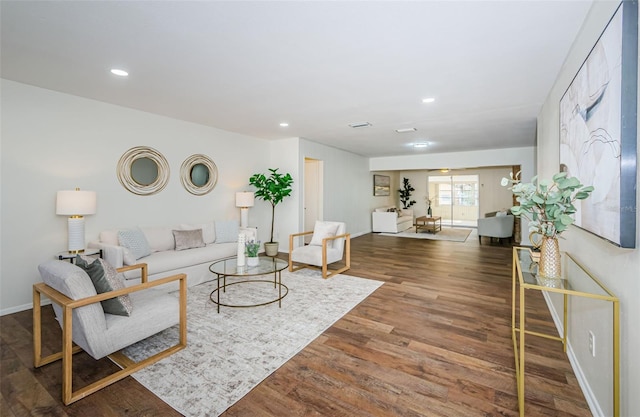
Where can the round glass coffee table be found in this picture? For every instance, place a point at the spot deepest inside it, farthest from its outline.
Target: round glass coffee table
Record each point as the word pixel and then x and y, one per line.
pixel 229 268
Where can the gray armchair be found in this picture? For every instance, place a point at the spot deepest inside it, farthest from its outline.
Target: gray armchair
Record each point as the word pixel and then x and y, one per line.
pixel 80 313
pixel 496 227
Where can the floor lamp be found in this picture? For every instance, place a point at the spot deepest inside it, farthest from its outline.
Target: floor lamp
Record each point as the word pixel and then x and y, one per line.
pixel 244 200
pixel 76 204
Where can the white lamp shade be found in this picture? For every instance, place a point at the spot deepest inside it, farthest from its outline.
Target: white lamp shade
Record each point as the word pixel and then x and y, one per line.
pixel 244 199
pixel 76 202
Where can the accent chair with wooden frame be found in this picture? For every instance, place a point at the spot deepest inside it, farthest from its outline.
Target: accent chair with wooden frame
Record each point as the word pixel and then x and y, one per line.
pixel 332 249
pixel 80 314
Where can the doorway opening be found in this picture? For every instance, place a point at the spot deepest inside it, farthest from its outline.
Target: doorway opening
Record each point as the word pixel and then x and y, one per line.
pixel 455 198
pixel 313 194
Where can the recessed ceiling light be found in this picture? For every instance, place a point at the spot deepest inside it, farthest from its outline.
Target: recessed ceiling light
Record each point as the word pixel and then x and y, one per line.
pixel 428 100
pixel 119 72
pixel 406 130
pixel 420 144
pixel 359 125
pixel 284 124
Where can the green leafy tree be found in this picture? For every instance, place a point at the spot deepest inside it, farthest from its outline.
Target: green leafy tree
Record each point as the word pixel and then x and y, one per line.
pixel 405 194
pixel 273 189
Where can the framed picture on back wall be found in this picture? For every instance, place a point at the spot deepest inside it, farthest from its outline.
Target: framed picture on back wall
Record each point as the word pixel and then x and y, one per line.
pixel 381 185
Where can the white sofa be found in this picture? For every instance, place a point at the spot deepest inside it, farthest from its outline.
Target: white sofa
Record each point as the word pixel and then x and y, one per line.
pixel 164 260
pixel 385 221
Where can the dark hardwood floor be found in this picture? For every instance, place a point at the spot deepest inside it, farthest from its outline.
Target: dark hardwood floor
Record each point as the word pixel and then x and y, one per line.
pixel 434 340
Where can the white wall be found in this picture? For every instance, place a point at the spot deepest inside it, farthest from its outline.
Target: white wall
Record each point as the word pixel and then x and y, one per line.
pixel 53 141
pixel 616 268
pixel 284 156
pixel 347 186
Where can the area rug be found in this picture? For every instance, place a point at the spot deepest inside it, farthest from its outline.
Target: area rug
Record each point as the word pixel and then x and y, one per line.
pixel 229 353
pixel 453 234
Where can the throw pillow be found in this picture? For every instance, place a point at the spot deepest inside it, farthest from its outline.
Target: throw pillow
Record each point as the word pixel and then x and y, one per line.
pixel 321 231
pixel 227 231
pixel 159 239
pixel 109 237
pixel 187 239
pixel 135 241
pixel 105 278
pixel 208 231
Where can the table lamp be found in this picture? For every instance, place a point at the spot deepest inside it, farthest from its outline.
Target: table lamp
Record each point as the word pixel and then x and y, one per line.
pixel 75 204
pixel 244 200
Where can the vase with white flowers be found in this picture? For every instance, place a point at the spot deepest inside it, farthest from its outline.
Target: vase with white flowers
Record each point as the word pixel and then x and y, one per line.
pixel 549 206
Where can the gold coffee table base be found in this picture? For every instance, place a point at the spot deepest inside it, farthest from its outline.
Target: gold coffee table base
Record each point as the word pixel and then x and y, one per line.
pixel 229 268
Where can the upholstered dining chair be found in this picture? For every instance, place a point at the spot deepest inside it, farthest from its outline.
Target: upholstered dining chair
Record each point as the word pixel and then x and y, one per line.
pixel 499 226
pixel 85 325
pixel 329 244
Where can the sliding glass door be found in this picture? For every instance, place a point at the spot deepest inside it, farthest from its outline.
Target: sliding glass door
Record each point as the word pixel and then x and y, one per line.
pixel 454 198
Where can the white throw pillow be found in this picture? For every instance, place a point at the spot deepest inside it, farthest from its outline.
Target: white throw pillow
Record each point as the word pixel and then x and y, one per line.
pixel 321 231
pixel 135 241
pixel 159 238
pixel 227 231
pixel 110 237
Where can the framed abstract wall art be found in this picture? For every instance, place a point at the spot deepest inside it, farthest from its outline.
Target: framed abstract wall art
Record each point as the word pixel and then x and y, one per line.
pixel 598 130
pixel 381 185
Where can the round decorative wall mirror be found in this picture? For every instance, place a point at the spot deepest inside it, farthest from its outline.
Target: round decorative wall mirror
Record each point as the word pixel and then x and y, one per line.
pixel 198 174
pixel 143 170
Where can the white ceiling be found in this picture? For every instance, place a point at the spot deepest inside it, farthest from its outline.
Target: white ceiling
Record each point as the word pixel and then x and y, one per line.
pixel 248 66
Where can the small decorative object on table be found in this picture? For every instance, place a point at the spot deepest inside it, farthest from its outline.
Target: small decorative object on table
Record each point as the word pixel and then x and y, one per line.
pixel 252 248
pixel 429 212
pixel 240 257
pixel 548 207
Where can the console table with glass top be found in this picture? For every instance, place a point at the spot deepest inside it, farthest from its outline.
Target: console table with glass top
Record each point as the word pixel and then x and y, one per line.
pixel 524 278
pixel 229 268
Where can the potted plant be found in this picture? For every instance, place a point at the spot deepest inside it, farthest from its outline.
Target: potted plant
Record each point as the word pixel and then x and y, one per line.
pixel 273 189
pixel 251 249
pixel 405 194
pixel 548 205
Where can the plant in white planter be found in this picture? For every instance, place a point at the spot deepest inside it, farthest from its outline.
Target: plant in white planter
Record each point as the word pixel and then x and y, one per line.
pixel 273 189
pixel 251 249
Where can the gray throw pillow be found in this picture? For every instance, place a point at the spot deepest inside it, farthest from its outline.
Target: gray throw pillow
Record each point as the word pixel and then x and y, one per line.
pixel 187 239
pixel 105 278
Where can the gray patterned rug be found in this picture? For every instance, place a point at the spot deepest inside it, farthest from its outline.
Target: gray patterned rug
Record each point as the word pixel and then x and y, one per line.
pixel 453 234
pixel 229 353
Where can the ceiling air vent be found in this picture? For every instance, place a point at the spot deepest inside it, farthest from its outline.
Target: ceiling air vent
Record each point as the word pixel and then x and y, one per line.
pixel 406 130
pixel 359 125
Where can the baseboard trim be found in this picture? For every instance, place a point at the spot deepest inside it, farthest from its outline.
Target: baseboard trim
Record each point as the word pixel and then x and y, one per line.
pixel 592 401
pixel 22 307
